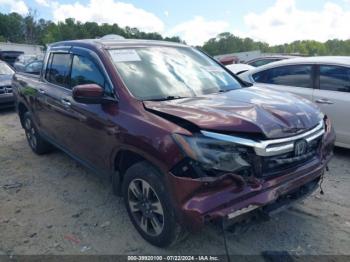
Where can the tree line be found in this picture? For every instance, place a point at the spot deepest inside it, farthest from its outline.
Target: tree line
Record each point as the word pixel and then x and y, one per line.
pixel 226 43
pixel 27 29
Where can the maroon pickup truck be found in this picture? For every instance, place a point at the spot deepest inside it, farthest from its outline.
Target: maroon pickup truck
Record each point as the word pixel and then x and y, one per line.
pixel 184 141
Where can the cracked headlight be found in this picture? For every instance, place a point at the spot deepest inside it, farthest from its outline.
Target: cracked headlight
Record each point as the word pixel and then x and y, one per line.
pixel 214 154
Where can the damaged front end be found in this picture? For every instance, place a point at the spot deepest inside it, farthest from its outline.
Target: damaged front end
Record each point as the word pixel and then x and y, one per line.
pixel 212 157
pixel 230 177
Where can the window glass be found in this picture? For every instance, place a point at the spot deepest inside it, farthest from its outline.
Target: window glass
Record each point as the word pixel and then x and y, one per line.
pixel 34 67
pixel 59 70
pixel 153 73
pixel 335 78
pixel 295 75
pixel 5 69
pixel 84 71
pixel 260 77
pixel 263 62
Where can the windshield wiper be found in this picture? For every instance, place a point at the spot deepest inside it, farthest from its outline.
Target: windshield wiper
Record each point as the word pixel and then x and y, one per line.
pixel 224 90
pixel 167 98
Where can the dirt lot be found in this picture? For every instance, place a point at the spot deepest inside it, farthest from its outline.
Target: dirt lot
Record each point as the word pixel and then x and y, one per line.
pixel 53 205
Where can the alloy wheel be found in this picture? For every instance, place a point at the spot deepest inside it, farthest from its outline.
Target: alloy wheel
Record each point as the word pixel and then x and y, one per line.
pixel 30 132
pixel 145 207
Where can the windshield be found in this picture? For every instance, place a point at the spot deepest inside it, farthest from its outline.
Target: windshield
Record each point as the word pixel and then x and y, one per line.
pixel 5 69
pixel 152 73
pixel 26 59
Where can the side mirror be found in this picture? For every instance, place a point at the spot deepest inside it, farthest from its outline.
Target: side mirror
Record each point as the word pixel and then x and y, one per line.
pixel 88 94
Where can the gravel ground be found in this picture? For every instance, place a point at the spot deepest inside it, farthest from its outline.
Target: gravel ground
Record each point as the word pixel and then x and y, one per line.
pixel 52 205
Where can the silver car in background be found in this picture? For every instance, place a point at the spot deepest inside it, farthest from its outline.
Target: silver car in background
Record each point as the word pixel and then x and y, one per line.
pixel 6 95
pixel 23 60
pixel 323 80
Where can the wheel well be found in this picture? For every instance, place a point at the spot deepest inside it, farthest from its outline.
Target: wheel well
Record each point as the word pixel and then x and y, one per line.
pixel 22 109
pixel 126 159
pixel 123 161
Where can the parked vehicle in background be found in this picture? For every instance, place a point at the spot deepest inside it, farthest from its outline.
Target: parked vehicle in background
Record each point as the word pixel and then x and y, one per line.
pixel 10 56
pixel 34 67
pixel 184 141
pixel 260 61
pixel 239 68
pixel 228 60
pixel 6 96
pixel 23 60
pixel 323 80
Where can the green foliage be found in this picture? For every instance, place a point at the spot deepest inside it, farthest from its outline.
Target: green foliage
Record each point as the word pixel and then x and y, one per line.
pixel 11 27
pixel 306 47
pixel 27 29
pixel 19 29
pixel 226 43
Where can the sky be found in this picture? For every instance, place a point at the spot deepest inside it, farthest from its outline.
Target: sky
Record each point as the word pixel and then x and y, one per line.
pixel 195 21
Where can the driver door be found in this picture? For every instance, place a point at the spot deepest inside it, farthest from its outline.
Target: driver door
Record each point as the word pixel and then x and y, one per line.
pixel 94 133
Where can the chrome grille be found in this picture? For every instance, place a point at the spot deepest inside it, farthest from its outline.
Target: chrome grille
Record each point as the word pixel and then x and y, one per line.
pixel 5 89
pixel 271 147
pixel 272 157
pixel 272 165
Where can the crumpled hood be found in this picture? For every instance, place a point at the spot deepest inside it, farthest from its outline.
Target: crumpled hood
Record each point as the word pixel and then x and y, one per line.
pixel 246 110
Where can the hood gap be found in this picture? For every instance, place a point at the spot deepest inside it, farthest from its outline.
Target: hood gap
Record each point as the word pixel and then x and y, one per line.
pixel 176 120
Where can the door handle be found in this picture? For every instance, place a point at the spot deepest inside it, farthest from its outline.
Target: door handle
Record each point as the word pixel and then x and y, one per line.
pixel 324 101
pixel 41 91
pixel 65 102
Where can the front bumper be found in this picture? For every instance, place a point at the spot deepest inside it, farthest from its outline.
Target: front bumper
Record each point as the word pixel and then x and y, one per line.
pixel 204 200
pixel 7 100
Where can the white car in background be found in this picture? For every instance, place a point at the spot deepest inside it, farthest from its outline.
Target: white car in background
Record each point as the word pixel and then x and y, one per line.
pixel 239 68
pixel 323 80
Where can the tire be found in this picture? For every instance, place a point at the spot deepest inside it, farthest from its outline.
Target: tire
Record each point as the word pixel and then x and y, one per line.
pixel 116 184
pixel 153 216
pixel 35 141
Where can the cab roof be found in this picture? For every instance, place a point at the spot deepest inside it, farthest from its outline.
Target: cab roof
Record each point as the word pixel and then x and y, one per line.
pixel 116 43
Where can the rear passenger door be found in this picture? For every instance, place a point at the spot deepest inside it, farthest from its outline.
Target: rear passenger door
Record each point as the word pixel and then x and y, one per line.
pixel 333 97
pixel 297 79
pixel 53 109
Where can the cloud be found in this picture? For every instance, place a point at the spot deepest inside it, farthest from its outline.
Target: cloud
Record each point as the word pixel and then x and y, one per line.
pixel 45 3
pixel 109 11
pixel 166 13
pixel 15 6
pixel 198 30
pixel 284 22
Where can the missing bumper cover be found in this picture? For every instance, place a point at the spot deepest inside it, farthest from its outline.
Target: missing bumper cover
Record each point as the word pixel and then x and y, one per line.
pixel 242 211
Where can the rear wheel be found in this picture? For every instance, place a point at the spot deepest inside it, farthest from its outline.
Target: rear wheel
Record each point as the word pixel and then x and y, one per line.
pixel 35 141
pixel 149 206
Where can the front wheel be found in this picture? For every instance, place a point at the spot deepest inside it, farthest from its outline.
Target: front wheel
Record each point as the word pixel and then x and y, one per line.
pixel 149 206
